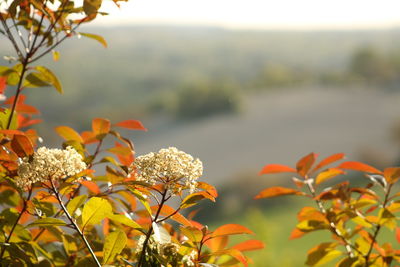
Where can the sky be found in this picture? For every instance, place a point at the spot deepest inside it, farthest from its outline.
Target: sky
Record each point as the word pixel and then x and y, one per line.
pixel 257 14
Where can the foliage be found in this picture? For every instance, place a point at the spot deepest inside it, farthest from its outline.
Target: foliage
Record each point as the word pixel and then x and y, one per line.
pixel 354 216
pixel 201 100
pixel 57 209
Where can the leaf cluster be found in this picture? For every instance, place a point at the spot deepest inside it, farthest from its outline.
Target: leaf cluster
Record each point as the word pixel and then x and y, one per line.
pixel 354 215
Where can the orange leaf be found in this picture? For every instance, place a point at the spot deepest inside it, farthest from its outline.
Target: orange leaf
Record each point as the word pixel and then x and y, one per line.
pixel 296 233
pixel 304 164
pixel 28 109
pixel 3 84
pixel 131 124
pixel 209 188
pixel 128 159
pixel 398 234
pixel 391 174
pixel 276 168
pixel 89 137
pixel 26 121
pixel 249 245
pixel 358 166
pixel 12 132
pixel 328 174
pixel 329 160
pixel 277 191
pixel 22 146
pixel 93 187
pixel 231 229
pixel 238 255
pixel 68 133
pixel 167 211
pixel 217 243
pixel 101 126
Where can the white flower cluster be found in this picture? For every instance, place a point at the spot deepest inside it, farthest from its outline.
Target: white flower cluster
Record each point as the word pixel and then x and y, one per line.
pixel 188 260
pixel 46 164
pixel 165 249
pixel 171 167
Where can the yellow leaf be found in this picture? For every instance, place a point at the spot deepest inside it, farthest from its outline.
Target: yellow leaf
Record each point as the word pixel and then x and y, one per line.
pixel 114 244
pixel 95 210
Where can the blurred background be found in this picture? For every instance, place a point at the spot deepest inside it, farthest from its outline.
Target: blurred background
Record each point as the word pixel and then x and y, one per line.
pixel 240 84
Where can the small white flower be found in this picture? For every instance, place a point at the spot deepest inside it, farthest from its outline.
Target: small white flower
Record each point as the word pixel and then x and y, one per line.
pixel 46 164
pixel 176 169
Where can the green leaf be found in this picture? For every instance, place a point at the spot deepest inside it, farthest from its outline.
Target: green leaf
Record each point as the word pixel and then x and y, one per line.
pixel 35 79
pixel 98 38
pixel 45 76
pixel 192 233
pixel 91 7
pixel 95 210
pixel 75 203
pixel 47 222
pixel 114 244
pixel 4 115
pixel 142 198
pixel 70 244
pixel 124 220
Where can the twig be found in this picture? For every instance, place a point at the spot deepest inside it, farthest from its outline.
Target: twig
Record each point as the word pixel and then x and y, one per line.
pixel 149 233
pixel 25 205
pixel 378 228
pixel 54 189
pixel 347 244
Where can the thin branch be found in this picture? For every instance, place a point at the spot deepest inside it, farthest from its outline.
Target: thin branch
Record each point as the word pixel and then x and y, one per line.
pixel 149 233
pixel 348 246
pixel 20 35
pixel 18 91
pixel 25 206
pixel 378 228
pixel 56 44
pixel 10 36
pixel 54 189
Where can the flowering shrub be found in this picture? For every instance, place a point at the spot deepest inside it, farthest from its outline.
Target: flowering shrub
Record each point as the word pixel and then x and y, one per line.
pixel 55 209
pixel 355 216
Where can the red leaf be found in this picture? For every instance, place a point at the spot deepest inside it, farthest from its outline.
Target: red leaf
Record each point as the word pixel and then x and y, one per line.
pixel 231 229
pixel 358 166
pixel 131 124
pixel 276 168
pixel 249 245
pixel 12 132
pixel 304 164
pixel 101 126
pixel 22 146
pixel 398 234
pixel 3 84
pixel 26 121
pixel 93 187
pixel 329 160
pixel 27 109
pixel 277 191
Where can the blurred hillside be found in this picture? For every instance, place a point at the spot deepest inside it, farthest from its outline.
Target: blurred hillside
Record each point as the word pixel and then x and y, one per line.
pixel 149 70
pixel 237 100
